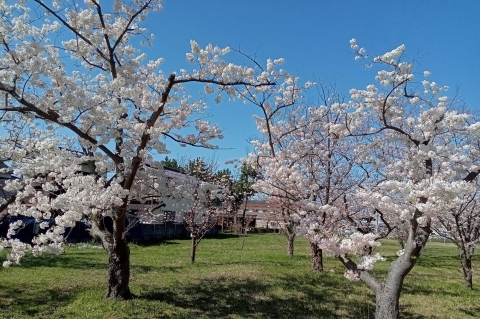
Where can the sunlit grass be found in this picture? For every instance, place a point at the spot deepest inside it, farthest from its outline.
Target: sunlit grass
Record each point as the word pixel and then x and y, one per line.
pixel 260 281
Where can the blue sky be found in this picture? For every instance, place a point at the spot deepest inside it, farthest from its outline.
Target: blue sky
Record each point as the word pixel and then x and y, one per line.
pixel 443 36
pixel 313 37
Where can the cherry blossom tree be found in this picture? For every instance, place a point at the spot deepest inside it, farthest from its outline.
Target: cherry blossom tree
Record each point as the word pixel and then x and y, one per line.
pixel 77 70
pixel 199 197
pixel 312 171
pixel 408 130
pixel 239 194
pixel 410 161
pixel 202 206
pixel 461 224
pixel 270 124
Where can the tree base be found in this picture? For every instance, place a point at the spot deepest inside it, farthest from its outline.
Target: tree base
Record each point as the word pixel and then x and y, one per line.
pixel 119 296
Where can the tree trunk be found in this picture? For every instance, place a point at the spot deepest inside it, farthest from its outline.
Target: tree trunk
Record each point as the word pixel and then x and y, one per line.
pixel 466 260
pixel 194 249
pixel 317 257
pixel 115 244
pixel 290 239
pixel 119 260
pixel 243 241
pixel 388 293
pixel 387 300
pixel 119 271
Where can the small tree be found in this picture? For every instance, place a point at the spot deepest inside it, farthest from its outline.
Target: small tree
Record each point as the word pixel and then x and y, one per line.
pixel 308 171
pixel 238 197
pixel 200 214
pixel 199 196
pixel 461 224
pixel 242 192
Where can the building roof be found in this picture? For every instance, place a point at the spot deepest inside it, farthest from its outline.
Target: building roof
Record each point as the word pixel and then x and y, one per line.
pixel 3 166
pixel 3 193
pixel 146 207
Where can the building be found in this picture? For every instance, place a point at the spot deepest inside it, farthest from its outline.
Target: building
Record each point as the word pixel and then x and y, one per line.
pixel 260 214
pixel 159 218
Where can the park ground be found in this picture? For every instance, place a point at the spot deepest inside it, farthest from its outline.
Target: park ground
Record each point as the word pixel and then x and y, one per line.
pixel 258 281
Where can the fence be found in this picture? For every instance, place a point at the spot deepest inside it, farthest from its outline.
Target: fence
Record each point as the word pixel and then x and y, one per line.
pixel 139 232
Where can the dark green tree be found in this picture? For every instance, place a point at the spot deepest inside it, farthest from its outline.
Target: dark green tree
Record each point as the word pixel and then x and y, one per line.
pixel 240 193
pixel 171 163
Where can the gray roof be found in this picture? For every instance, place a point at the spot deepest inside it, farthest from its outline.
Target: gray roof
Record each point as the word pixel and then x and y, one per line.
pixel 3 165
pixel 3 193
pixel 146 207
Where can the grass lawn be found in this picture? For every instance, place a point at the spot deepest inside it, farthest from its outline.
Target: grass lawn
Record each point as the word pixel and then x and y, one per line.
pixel 259 281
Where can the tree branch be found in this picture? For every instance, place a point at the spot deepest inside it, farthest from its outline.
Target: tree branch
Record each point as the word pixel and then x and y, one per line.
pixel 53 117
pixel 365 276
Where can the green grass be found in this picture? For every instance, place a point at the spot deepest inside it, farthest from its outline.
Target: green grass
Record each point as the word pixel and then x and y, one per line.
pixel 259 281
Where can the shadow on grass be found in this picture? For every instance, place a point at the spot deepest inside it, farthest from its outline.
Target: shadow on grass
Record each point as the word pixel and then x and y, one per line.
pixel 141 269
pixel 409 315
pixel 431 261
pixel 157 242
pixel 474 311
pixel 298 297
pixel 85 262
pixel 72 261
pixel 419 288
pixel 225 236
pixel 176 241
pixel 250 262
pixel 245 298
pixel 33 303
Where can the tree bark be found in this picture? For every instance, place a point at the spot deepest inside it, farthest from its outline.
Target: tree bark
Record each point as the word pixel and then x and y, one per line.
pixel 291 240
pixel 387 300
pixel 119 260
pixel 115 244
pixel 466 260
pixel 317 257
pixel 388 293
pixel 119 271
pixel 243 241
pixel 193 251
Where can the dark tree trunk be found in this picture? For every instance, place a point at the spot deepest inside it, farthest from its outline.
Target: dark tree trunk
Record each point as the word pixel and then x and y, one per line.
pixel 317 257
pixel 115 244
pixel 467 275
pixel 119 260
pixel 193 251
pixel 119 271
pixel 466 260
pixel 291 241
pixel 243 226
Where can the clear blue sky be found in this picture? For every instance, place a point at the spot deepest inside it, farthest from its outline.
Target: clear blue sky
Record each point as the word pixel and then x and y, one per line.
pixel 313 37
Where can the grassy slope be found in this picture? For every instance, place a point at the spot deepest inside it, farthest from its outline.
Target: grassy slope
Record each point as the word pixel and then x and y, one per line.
pixel 226 282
